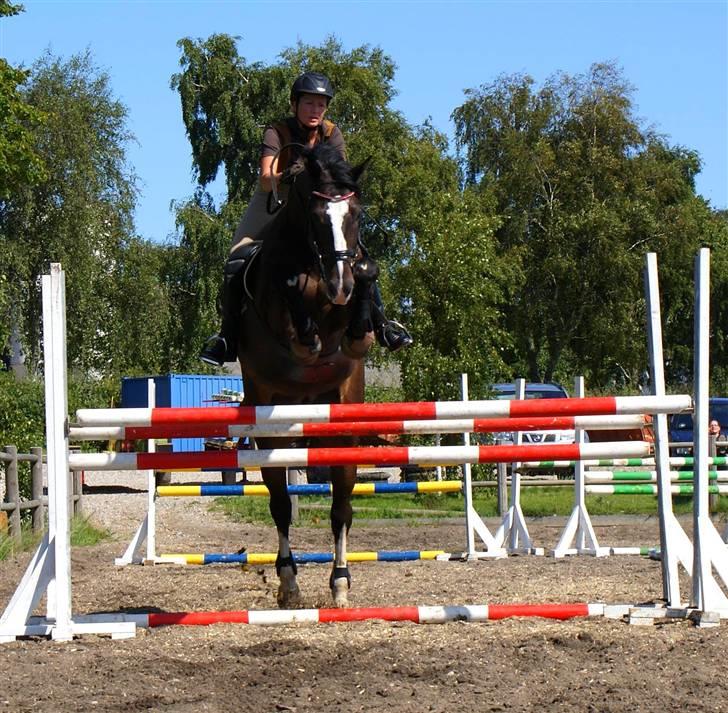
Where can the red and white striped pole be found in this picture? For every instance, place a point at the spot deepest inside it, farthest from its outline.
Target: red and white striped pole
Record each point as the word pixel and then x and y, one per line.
pixel 383 457
pixel 359 428
pixel 328 413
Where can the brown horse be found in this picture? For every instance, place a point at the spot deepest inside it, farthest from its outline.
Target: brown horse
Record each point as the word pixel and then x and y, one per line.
pixel 304 331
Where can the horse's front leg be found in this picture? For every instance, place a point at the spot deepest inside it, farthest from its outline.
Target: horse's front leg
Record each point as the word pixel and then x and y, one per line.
pixel 289 595
pixel 359 336
pixel 306 343
pixel 342 481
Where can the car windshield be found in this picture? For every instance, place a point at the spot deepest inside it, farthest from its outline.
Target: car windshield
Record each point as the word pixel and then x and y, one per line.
pixel 531 394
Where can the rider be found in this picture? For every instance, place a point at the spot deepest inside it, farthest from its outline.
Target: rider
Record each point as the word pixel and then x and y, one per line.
pixel 310 97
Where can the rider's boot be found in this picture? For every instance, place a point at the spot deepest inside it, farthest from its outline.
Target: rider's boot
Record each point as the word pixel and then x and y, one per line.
pixel 390 334
pixel 223 346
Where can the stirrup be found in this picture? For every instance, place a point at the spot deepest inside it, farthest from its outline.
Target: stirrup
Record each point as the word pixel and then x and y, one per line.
pixel 394 335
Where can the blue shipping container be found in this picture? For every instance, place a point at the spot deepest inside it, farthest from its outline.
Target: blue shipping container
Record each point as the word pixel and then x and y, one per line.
pixel 178 390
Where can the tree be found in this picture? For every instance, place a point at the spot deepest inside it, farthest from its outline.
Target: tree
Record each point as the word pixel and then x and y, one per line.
pixel 80 214
pixel 20 164
pixel 141 337
pixel 582 192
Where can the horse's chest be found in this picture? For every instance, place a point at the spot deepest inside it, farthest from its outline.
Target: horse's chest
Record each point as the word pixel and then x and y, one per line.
pixel 284 375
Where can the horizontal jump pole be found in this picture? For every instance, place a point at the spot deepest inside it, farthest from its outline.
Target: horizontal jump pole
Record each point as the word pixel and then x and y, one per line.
pixel 214 490
pixel 261 558
pixel 621 462
pixel 598 476
pixel 356 428
pixel 383 457
pixel 327 413
pixel 414 614
pixel 648 489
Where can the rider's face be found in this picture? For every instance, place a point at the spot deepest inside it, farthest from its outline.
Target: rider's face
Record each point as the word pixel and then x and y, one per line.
pixel 310 109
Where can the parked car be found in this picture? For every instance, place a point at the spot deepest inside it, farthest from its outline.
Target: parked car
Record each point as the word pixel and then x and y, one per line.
pixel 534 390
pixel 680 425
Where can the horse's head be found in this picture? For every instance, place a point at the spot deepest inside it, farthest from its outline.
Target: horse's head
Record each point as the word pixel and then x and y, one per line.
pixel 329 192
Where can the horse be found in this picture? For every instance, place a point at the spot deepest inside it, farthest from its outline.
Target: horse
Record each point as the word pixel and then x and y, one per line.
pixel 304 332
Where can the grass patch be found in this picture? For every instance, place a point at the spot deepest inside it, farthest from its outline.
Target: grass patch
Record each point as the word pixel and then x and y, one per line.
pixel 535 502
pixel 83 534
pixel 10 547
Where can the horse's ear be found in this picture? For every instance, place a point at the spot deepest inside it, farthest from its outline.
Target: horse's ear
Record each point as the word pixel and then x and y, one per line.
pixel 357 171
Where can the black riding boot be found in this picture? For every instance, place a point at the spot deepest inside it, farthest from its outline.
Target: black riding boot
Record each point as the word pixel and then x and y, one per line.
pixel 223 346
pixel 390 334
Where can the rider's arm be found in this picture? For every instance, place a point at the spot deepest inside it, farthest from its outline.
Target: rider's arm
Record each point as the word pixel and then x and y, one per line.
pixel 268 163
pixel 268 159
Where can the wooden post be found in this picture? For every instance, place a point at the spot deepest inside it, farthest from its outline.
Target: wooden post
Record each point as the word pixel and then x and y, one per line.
pixel 77 495
pixel 12 493
pixel 36 489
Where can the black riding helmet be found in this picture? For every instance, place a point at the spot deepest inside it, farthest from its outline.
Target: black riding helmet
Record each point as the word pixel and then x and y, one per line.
pixel 312 83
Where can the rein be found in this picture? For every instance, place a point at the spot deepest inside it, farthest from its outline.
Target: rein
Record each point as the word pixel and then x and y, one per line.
pixel 276 204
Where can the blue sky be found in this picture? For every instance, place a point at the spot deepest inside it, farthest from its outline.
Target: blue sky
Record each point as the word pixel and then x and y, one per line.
pixel 674 53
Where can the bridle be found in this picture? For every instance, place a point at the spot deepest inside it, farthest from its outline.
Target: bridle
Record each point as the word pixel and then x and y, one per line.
pixel 349 255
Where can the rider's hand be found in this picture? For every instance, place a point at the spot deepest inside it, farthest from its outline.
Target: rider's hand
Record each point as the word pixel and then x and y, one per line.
pixel 289 175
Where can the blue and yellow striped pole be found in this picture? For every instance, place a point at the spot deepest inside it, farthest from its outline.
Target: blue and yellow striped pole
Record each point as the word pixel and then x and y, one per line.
pixel 209 489
pixel 307 557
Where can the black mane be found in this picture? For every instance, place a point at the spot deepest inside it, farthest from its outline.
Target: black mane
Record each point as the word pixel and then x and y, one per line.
pixel 326 158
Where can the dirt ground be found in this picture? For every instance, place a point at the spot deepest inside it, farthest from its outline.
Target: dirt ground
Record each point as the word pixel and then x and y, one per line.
pixel 510 665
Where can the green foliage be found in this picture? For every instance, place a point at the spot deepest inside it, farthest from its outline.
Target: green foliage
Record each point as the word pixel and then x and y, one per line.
pixel 83 534
pixel 79 215
pixel 140 338
pixel 19 162
pixel 22 412
pixel 7 8
pixel 194 275
pixel 582 192
pixel 22 409
pixel 535 502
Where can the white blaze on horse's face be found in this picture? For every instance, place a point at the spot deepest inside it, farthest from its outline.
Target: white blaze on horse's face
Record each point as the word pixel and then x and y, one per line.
pixel 337 211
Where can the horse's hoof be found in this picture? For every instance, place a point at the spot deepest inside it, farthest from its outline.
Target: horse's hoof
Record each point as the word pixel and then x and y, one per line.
pixel 340 593
pixel 357 348
pixel 289 595
pixel 288 598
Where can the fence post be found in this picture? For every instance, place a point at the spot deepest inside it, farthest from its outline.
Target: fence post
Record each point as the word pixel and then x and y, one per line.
pixel 502 478
pixel 12 492
pixel 36 489
pixel 77 494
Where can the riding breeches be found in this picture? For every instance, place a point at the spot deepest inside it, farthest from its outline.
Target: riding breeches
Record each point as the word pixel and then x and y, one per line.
pixel 255 218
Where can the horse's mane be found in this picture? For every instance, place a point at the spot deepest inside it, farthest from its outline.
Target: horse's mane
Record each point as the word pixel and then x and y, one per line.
pixel 326 158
